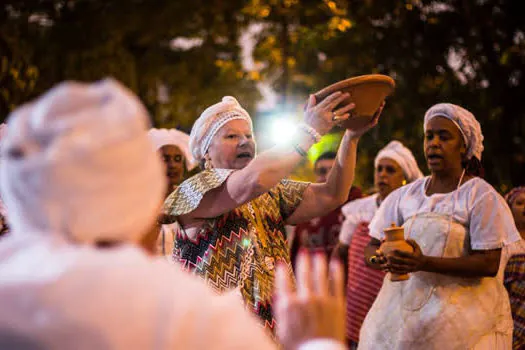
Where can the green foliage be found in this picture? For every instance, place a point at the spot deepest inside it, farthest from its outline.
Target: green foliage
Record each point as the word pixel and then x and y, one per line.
pixel 468 52
pixel 132 41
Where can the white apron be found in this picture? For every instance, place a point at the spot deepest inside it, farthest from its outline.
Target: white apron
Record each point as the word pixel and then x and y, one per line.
pixel 436 311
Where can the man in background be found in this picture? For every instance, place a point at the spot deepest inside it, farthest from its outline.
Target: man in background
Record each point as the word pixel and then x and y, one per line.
pixel 322 233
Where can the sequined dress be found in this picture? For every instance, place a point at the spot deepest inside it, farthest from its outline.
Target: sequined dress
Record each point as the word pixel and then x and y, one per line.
pixel 237 250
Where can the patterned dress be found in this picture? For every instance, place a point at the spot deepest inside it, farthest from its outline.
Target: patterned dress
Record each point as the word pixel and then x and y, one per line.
pixel 237 250
pixel 515 284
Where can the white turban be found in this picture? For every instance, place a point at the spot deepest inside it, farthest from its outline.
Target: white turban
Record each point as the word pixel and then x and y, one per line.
pixel 464 121
pixel 403 157
pixel 78 163
pixel 164 137
pixel 211 120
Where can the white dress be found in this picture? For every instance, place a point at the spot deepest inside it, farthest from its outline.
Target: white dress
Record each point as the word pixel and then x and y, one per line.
pixel 437 311
pixel 59 296
pixel 357 211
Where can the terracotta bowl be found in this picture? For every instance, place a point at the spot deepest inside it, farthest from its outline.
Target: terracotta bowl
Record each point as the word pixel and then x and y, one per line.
pixel 366 91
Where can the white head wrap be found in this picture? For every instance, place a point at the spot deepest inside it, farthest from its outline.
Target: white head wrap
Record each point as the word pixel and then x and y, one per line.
pixel 402 156
pixel 211 120
pixel 164 137
pixel 78 163
pixel 464 121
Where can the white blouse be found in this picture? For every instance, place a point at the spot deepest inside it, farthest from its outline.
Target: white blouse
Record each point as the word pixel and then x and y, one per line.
pixel 475 205
pixel 357 211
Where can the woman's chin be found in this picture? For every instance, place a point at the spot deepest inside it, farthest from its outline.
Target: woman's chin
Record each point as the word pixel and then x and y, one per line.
pixel 435 168
pixel 242 163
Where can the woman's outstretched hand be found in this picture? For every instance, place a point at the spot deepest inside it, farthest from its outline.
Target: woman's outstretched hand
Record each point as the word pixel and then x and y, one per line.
pixel 323 116
pixel 373 122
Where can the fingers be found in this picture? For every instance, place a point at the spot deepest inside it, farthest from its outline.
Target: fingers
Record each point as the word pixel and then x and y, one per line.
pixel 413 244
pixel 304 278
pixel 395 260
pixel 330 99
pixel 331 106
pixel 345 109
pixel 311 102
pixel 333 100
pixel 402 254
pixel 321 274
pixel 337 278
pixel 377 114
pixel 341 118
pixel 283 284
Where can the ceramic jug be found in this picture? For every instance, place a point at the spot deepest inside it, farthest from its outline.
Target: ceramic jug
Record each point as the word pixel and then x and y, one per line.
pixel 395 240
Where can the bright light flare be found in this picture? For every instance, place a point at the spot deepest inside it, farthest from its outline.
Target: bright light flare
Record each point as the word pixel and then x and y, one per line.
pixel 283 130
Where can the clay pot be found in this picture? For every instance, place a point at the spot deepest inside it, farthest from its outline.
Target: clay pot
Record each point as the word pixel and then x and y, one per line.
pixel 395 240
pixel 366 91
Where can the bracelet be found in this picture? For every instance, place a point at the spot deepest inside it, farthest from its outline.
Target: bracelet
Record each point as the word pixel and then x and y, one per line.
pixel 299 150
pixel 311 131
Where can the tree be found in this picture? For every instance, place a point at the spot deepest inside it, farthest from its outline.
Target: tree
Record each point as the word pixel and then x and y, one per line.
pixel 465 52
pixel 133 41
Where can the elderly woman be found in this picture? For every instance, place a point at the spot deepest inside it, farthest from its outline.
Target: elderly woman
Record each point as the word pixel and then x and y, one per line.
pixel 456 224
pixel 72 274
pixel 515 267
pixel 232 215
pixel 395 166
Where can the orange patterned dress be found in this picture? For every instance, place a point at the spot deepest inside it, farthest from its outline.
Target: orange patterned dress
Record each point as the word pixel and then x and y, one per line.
pixel 239 249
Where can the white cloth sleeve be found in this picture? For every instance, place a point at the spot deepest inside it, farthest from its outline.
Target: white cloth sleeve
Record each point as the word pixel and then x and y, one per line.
pixel 322 344
pixel 491 223
pixel 348 228
pixel 387 214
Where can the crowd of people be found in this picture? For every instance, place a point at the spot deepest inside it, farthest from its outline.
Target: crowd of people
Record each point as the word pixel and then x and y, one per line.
pixel 108 242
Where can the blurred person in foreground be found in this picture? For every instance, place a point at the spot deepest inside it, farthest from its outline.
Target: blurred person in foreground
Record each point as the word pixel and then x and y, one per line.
pixel 84 188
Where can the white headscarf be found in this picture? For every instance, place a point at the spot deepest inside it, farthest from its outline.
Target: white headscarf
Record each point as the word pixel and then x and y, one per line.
pixel 78 162
pixel 211 120
pixel 466 123
pixel 164 137
pixel 402 156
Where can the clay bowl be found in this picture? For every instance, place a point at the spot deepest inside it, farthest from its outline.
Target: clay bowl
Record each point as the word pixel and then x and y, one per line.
pixel 366 91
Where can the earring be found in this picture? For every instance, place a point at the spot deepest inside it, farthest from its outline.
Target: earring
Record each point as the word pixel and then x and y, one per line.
pixel 404 182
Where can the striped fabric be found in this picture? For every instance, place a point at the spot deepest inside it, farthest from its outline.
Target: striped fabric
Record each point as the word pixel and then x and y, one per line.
pixel 363 283
pixel 515 284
